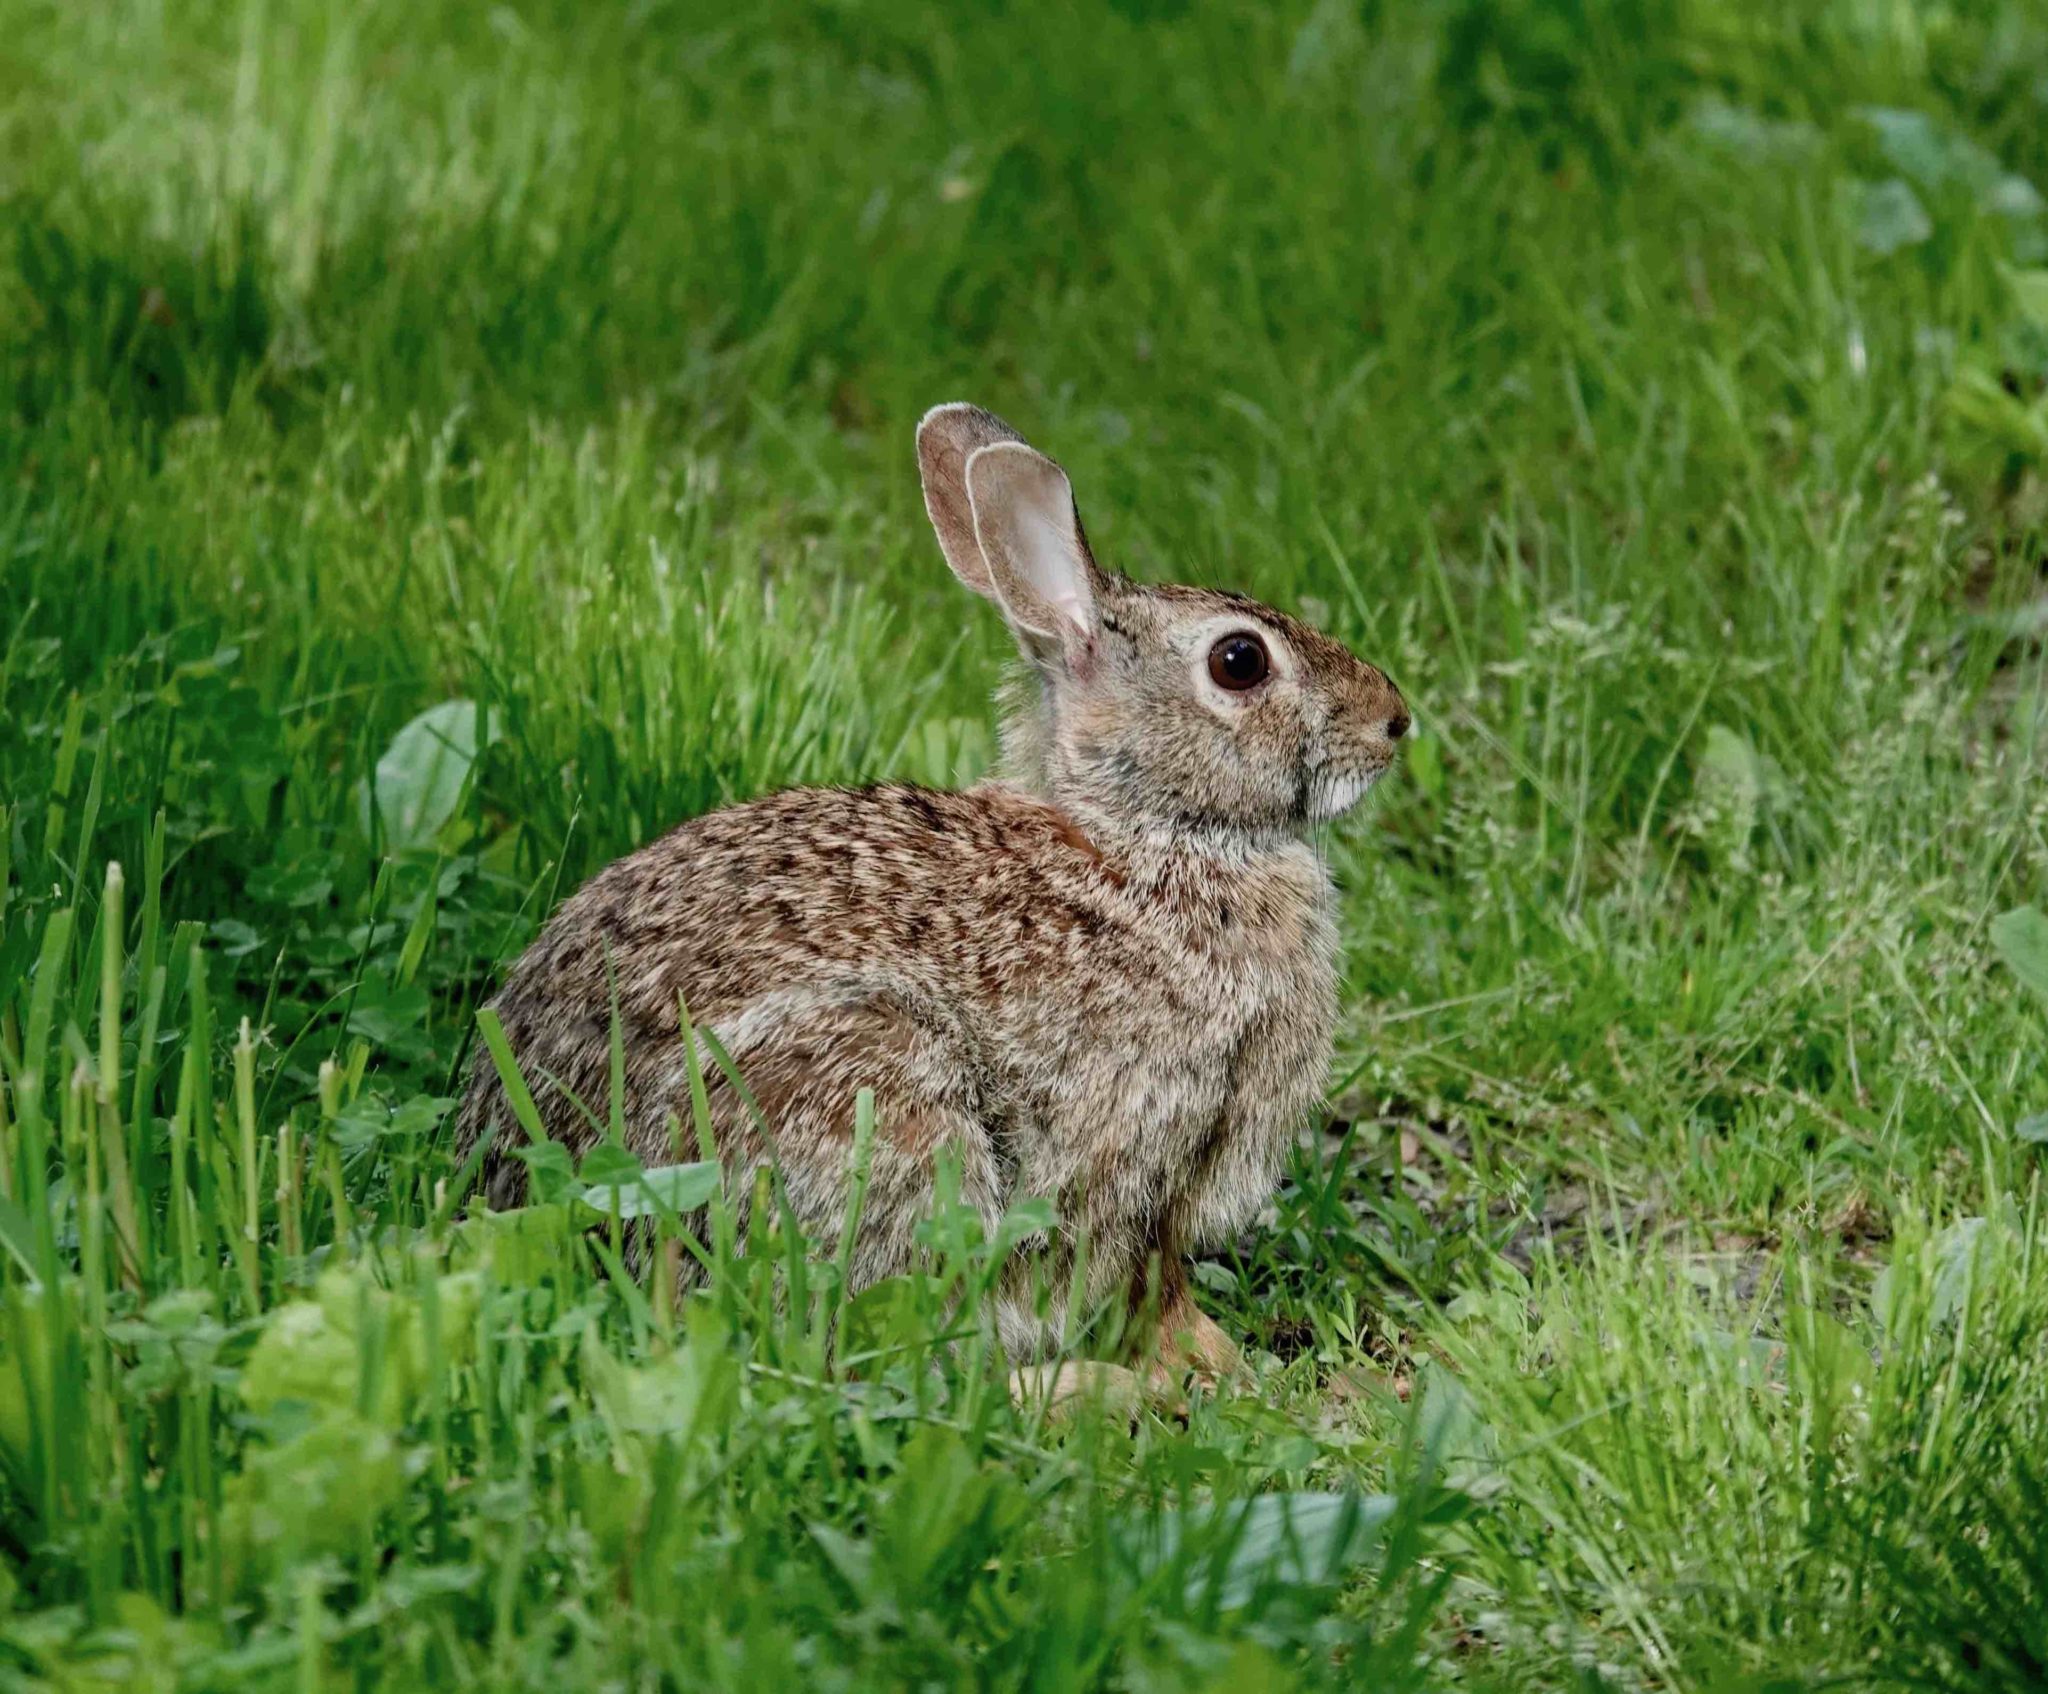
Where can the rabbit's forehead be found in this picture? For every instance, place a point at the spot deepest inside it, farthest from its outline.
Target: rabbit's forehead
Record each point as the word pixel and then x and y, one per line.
pixel 1192 620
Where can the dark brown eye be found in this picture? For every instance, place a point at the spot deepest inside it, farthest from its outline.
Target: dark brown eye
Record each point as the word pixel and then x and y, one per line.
pixel 1238 662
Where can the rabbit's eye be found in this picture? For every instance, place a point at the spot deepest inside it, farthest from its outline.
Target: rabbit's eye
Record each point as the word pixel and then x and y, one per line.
pixel 1238 662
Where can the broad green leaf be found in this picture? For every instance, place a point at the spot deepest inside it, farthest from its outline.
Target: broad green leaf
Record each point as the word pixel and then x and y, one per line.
pixel 523 1246
pixel 391 1018
pixel 1937 156
pixel 1934 1276
pixel 368 1119
pixel 2030 293
pixel 1912 142
pixel 2021 937
pixel 665 1189
pixel 237 939
pixel 550 1172
pixel 896 1313
pixel 679 1396
pixel 1295 1540
pixel 420 779
pixel 608 1165
pixel 319 1492
pixel 1734 782
pixel 2032 1129
pixel 1743 131
pixel 2013 196
pixel 1888 216
pixel 853 1559
pixel 357 1347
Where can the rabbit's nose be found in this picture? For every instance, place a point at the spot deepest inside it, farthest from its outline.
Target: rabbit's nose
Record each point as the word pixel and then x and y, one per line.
pixel 1397 726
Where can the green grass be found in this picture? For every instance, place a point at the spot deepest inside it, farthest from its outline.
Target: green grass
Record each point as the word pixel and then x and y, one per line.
pixel 1658 391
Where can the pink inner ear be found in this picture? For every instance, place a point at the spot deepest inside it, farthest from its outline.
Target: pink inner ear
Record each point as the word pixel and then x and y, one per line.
pixel 1031 538
pixel 1055 566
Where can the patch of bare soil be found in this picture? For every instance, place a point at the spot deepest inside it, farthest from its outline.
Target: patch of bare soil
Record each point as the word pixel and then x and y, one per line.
pixel 1430 1158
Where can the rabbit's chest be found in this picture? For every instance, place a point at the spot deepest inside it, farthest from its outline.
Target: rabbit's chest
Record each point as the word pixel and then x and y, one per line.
pixel 1167 1020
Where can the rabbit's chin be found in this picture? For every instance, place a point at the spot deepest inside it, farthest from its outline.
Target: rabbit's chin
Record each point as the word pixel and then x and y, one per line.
pixel 1333 793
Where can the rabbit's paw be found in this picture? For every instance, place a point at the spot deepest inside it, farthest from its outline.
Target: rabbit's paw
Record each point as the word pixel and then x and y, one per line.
pixel 1191 1343
pixel 1070 1388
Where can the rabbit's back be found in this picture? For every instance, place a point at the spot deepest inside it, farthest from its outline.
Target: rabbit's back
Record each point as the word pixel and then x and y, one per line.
pixel 892 907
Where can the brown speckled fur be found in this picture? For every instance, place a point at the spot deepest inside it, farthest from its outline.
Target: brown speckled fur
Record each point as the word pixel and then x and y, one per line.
pixel 1107 978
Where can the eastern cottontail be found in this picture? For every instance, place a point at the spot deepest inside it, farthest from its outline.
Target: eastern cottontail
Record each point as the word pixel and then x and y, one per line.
pixel 1106 978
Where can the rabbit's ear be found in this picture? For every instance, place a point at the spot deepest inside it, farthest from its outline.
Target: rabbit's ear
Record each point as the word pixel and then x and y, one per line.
pixel 946 436
pixel 1033 545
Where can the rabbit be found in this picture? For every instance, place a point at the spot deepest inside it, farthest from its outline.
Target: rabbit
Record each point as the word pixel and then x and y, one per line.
pixel 1106 977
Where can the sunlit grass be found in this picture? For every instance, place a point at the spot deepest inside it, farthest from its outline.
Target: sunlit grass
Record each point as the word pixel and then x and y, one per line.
pixel 1656 392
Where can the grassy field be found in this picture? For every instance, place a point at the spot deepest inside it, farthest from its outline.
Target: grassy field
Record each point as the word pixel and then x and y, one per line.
pixel 444 445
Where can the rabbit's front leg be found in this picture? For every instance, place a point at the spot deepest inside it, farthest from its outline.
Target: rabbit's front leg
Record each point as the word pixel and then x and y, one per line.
pixel 1275 1085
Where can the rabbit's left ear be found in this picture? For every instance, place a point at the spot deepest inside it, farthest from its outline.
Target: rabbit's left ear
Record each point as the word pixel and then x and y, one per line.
pixel 946 436
pixel 1033 545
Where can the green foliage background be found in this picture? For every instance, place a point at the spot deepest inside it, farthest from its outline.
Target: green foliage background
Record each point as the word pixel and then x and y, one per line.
pixel 442 445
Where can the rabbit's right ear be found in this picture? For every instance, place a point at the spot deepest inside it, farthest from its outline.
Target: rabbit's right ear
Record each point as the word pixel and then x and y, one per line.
pixel 946 437
pixel 1037 556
